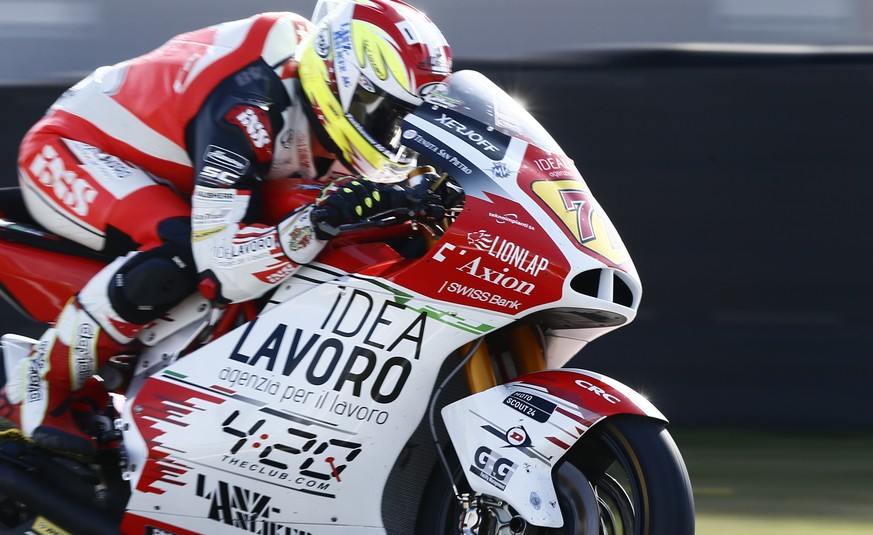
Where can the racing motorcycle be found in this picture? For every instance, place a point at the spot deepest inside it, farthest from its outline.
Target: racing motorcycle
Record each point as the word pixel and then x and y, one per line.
pixel 410 380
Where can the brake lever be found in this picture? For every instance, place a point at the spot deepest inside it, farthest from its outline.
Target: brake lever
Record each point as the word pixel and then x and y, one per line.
pixel 382 219
pixel 387 218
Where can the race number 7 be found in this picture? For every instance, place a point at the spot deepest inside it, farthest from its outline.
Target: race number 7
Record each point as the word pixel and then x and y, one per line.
pixel 572 206
pixel 579 201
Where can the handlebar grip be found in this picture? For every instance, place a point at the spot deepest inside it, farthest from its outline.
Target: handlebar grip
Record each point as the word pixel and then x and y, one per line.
pixel 318 215
pixel 325 228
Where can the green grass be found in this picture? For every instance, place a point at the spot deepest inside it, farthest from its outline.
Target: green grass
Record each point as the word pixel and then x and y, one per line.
pixel 773 484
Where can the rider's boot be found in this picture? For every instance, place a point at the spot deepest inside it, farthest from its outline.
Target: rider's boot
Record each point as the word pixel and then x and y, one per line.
pixel 88 332
pixel 10 417
pixel 15 349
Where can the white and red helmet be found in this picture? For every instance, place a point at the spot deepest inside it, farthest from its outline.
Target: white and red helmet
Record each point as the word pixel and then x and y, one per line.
pixel 366 66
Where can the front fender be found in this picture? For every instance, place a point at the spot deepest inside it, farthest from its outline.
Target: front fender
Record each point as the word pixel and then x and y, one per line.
pixel 510 437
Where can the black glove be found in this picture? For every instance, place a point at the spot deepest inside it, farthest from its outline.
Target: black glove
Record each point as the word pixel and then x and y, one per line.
pixel 350 199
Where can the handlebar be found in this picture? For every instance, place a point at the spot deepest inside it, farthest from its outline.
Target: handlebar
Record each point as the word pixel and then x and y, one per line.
pixel 321 217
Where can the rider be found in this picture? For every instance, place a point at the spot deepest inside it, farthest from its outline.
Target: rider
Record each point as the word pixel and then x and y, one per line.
pixel 162 161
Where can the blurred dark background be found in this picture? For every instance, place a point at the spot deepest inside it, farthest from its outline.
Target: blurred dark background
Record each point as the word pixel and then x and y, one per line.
pixel 740 183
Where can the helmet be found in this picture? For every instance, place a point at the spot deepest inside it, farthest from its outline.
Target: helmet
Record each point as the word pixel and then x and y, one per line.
pixel 367 65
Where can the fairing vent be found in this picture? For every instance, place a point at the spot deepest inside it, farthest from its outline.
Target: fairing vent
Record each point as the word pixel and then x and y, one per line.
pixel 621 292
pixel 587 282
pixel 594 283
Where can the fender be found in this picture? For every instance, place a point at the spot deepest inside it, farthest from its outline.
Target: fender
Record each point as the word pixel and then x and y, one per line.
pixel 509 438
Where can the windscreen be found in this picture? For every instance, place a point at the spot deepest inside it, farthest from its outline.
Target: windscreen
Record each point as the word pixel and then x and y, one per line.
pixel 472 94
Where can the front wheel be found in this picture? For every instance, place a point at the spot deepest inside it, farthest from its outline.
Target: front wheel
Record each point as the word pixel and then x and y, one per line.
pixel 625 476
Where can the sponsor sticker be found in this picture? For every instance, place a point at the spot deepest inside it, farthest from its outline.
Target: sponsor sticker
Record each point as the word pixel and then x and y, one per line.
pixel 462 130
pixel 226 158
pixel 44 526
pixel 246 250
pixel 499 277
pixel 205 234
pixel 510 219
pixel 84 354
pixel 152 530
pixel 483 137
pixel 321 42
pixel 243 508
pixel 37 368
pixel 342 355
pixel 107 166
pixel 557 166
pixel 492 467
pixel 342 51
pixel 423 144
pixel 76 193
pixel 517 436
pixel 214 195
pixel 249 75
pixel 532 406
pixel 256 125
pixel 216 177
pixel 300 238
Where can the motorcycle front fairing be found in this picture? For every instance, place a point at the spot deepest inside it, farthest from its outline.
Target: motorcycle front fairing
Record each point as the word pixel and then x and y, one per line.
pixel 531 232
pixel 544 221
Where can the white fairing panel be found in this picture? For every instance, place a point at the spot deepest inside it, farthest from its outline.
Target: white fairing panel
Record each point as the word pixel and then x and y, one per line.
pixel 506 446
pixel 510 437
pixel 303 416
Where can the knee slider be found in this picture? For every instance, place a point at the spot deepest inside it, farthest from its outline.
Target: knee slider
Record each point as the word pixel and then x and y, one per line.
pixel 152 282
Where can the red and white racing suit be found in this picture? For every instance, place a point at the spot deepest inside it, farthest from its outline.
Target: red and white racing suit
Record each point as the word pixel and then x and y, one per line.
pixel 162 158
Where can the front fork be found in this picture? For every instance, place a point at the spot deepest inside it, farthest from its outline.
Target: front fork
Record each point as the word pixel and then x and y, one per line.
pixel 523 355
pixel 485 515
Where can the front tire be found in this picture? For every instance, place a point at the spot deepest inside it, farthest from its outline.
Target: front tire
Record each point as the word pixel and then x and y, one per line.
pixel 638 475
pixel 625 476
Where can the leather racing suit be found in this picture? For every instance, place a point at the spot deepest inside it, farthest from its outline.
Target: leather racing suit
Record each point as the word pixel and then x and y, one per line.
pixel 163 159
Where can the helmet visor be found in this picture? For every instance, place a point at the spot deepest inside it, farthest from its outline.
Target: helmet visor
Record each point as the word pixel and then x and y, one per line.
pixel 378 116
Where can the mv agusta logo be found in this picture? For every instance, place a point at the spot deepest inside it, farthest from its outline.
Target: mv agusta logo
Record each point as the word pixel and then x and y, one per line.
pixel 508 284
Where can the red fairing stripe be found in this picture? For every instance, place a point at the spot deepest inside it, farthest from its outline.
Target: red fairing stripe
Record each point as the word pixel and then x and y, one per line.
pixel 598 394
pixel 166 403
